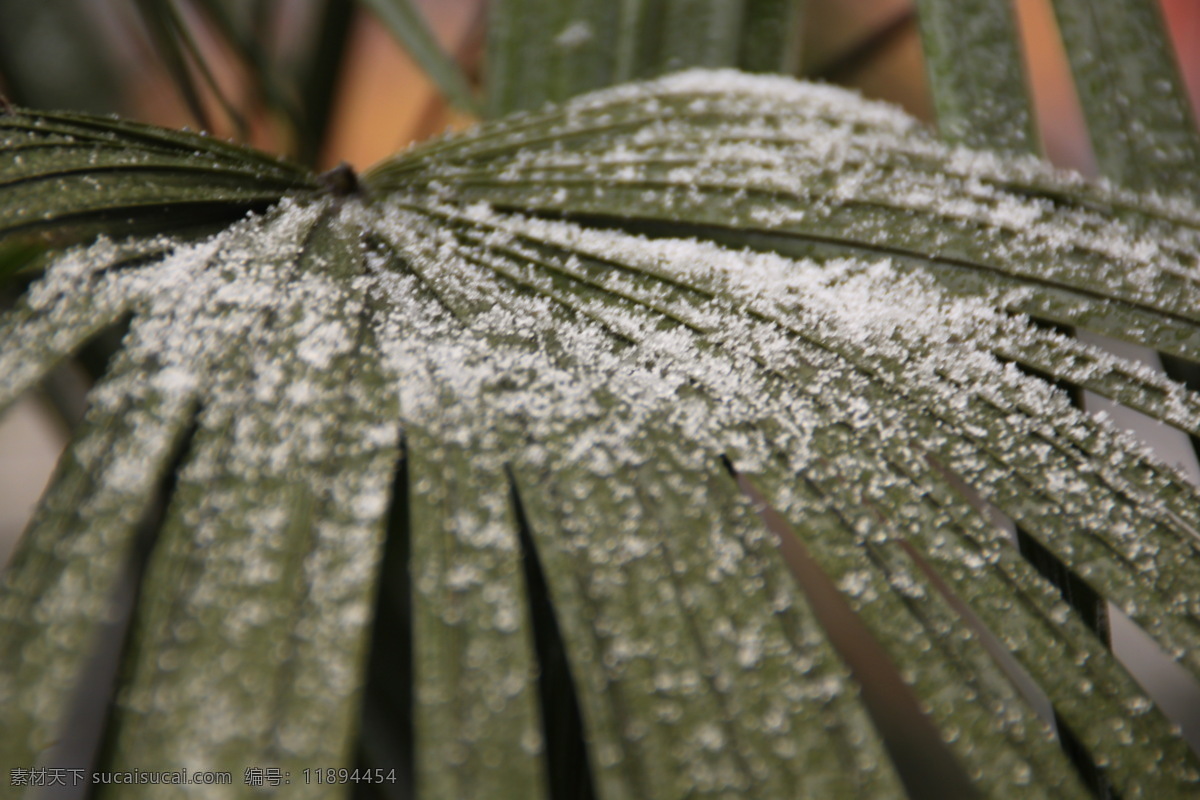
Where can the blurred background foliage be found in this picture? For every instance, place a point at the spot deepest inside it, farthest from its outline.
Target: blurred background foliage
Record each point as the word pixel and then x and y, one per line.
pixel 324 80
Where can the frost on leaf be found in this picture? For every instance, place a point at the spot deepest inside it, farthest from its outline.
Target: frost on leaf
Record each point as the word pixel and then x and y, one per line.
pixel 573 315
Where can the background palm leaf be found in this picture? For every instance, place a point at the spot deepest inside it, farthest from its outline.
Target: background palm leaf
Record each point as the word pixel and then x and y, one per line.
pixel 658 443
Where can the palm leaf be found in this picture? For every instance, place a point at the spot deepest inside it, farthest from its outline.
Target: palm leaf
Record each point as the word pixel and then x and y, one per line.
pixel 124 177
pixel 296 602
pixel 652 443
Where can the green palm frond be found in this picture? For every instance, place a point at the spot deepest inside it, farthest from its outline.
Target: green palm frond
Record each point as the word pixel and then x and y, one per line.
pixel 71 175
pixel 658 443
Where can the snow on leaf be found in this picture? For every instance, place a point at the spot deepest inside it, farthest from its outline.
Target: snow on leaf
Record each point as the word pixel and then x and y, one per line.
pixel 802 282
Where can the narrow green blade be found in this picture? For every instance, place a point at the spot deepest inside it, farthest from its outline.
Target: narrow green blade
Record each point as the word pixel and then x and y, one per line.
pixel 973 59
pixel 410 29
pixel 173 40
pixel 61 585
pixel 551 50
pixel 473 647
pixel 771 36
pixel 71 174
pixel 262 608
pixel 1142 129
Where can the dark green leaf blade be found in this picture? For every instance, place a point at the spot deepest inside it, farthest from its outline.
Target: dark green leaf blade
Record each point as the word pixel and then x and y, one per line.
pixel 812 169
pixel 263 606
pixel 87 526
pixel 65 172
pixel 973 59
pixel 771 36
pixel 1138 116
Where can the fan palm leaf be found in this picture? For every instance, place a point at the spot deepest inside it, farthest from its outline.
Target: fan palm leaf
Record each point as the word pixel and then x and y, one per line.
pixel 657 443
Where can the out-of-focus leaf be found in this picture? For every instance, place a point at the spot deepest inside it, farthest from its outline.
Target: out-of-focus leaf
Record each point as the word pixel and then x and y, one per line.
pixel 410 29
pixel 973 59
pixel 699 33
pixel 51 57
pixel 520 35
pixel 1141 127
pixel 319 74
pixel 245 27
pixel 548 50
pixel 771 36
pixel 177 47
